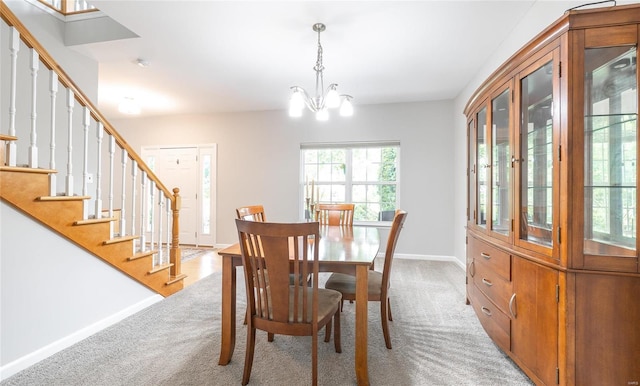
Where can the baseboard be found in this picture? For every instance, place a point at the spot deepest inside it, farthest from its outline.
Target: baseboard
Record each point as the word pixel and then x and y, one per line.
pixel 28 360
pixel 451 259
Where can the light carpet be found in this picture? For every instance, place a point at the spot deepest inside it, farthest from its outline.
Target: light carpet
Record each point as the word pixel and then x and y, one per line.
pixel 437 340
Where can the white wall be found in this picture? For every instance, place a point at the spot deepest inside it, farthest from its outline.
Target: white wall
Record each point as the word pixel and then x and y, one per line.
pixel 259 161
pixel 54 293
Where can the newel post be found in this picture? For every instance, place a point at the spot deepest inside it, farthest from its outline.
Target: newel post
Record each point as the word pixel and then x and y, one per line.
pixel 176 252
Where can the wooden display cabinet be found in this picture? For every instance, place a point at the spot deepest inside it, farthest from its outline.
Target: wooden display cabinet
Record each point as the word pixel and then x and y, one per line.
pixel 552 236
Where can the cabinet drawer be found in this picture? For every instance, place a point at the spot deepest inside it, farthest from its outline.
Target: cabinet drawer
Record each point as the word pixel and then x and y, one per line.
pixel 492 285
pixel 496 259
pixel 495 322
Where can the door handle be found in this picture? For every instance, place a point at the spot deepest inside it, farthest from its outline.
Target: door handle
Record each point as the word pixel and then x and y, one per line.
pixel 512 302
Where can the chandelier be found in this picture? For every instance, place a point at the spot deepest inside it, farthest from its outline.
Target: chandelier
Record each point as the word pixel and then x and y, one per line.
pixel 324 99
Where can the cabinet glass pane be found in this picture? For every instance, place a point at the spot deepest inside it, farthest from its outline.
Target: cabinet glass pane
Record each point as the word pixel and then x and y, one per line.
pixel 536 152
pixel 610 153
pixel 481 153
pixel 501 168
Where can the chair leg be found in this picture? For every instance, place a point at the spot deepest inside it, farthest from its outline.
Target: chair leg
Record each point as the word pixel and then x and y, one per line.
pixel 248 357
pixel 314 359
pixel 385 323
pixel 270 336
pixel 327 332
pixel 336 334
pixel 389 309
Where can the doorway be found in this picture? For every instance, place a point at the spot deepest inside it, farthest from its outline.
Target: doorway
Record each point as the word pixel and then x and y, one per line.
pixel 192 169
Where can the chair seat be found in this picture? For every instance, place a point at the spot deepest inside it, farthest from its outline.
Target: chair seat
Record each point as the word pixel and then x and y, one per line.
pixel 346 284
pixel 328 301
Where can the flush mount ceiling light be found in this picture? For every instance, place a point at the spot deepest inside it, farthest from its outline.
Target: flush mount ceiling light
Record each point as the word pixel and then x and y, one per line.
pixel 129 106
pixel 323 100
pixel 142 63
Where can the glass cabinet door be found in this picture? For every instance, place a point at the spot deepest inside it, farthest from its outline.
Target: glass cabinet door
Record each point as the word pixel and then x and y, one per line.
pixel 610 151
pixel 482 165
pixel 500 164
pixel 536 156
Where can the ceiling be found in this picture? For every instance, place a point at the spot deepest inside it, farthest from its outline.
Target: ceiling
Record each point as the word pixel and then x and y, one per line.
pixel 229 56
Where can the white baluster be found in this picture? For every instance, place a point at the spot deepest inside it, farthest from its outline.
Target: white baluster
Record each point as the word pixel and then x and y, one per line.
pixel 99 136
pixel 123 200
pixel 112 150
pixel 53 89
pixel 69 179
pixel 33 147
pixel 143 211
pixel 85 160
pixel 160 247
pixel 11 145
pixel 169 217
pixel 152 218
pixel 134 174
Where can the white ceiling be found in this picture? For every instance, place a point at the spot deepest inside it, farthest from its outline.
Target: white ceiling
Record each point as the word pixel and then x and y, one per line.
pixel 224 56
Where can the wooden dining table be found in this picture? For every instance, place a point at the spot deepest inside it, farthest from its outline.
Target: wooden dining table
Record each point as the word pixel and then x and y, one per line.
pixel 345 249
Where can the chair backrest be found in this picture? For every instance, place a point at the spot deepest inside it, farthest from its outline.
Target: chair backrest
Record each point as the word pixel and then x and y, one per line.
pixel 251 213
pixel 270 252
pixel 394 233
pixel 334 214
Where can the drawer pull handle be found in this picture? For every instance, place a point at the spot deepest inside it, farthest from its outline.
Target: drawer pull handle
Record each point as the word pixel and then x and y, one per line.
pixel 487 282
pixel 486 256
pixel 511 303
pixel 486 311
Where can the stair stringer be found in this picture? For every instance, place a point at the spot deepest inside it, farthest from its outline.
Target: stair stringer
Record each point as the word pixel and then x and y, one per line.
pixel 22 188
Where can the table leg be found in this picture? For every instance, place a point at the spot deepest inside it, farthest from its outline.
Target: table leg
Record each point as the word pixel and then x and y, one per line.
pixel 362 369
pixel 228 341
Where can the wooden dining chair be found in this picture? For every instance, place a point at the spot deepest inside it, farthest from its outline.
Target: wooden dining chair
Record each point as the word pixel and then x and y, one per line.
pixel 334 214
pixel 269 252
pixel 251 213
pixel 378 281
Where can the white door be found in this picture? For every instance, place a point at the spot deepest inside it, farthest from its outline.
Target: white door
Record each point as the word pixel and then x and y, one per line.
pixel 192 170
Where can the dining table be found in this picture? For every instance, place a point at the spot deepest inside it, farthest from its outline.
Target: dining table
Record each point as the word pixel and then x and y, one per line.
pixel 344 249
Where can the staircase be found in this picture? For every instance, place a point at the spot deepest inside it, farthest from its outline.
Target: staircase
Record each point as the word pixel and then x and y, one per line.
pixel 143 240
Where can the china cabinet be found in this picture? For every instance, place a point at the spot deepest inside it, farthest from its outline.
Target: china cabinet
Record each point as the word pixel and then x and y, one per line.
pixel 552 240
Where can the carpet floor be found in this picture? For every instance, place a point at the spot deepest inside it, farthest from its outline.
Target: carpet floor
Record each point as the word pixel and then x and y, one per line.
pixel 437 340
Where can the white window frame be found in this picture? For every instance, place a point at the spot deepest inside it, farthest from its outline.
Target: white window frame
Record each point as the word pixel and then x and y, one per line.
pixel 348 146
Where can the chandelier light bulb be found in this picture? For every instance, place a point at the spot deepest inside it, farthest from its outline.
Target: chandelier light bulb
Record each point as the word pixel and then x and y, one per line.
pixel 323 99
pixel 346 109
pixel 332 100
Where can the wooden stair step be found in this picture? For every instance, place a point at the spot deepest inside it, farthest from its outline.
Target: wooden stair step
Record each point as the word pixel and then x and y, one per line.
pixel 63 198
pixel 159 268
pixel 23 169
pixel 6 137
pixel 120 239
pixel 176 279
pixel 142 254
pixel 94 221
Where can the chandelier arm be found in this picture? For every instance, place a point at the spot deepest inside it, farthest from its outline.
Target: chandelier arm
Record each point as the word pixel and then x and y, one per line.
pixel 308 100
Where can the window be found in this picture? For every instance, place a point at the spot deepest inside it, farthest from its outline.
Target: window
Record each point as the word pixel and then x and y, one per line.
pixel 365 174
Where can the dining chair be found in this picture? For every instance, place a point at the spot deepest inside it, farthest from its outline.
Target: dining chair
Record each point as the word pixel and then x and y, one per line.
pixel 269 252
pixel 378 281
pixel 334 214
pixel 251 213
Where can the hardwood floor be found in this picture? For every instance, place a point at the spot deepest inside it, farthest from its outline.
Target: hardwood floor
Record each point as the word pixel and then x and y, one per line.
pixel 201 266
